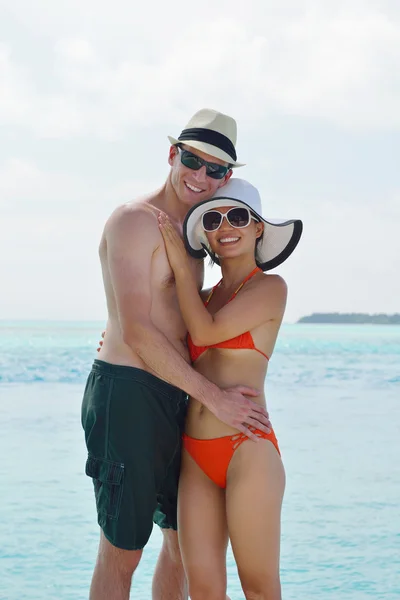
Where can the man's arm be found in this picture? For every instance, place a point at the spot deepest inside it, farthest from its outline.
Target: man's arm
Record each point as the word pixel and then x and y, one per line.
pixel 133 239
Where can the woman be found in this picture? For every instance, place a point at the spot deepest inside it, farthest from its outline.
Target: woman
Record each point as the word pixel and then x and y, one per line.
pixel 231 487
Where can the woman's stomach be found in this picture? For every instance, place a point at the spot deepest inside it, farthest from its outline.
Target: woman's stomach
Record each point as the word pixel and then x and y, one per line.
pixel 226 368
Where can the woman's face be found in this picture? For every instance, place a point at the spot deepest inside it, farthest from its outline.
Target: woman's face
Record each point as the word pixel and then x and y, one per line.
pixel 229 241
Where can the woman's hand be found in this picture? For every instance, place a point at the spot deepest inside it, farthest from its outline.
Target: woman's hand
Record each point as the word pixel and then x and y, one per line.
pixel 174 246
pixel 101 342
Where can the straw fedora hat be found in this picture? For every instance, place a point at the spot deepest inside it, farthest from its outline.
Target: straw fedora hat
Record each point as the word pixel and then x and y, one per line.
pixel 280 236
pixel 211 132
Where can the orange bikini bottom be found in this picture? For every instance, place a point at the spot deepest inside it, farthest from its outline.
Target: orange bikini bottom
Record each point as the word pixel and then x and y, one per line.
pixel 214 455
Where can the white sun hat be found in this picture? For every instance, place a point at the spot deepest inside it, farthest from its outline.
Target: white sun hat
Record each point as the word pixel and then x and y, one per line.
pixel 211 132
pixel 280 236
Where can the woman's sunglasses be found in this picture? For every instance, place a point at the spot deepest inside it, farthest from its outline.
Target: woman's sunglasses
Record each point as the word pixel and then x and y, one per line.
pixel 195 162
pixel 237 217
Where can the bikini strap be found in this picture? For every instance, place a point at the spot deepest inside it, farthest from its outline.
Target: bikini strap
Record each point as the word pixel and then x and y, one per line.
pixel 245 280
pixel 206 303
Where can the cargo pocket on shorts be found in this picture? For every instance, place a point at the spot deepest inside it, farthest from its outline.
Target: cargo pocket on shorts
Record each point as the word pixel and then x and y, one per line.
pixel 108 480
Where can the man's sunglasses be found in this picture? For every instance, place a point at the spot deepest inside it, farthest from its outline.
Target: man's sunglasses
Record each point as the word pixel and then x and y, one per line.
pixel 237 217
pixel 195 162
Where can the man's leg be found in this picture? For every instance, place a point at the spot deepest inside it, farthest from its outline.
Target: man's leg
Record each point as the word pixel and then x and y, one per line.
pixel 112 575
pixel 122 464
pixel 169 582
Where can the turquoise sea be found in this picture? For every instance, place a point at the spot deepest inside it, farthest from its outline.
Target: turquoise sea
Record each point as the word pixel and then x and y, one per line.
pixel 334 399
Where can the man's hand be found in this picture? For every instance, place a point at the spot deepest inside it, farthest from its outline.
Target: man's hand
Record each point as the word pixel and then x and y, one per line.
pixel 235 409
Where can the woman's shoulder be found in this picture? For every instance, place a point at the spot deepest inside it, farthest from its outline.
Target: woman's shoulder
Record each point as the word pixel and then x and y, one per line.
pixel 270 280
pixel 273 285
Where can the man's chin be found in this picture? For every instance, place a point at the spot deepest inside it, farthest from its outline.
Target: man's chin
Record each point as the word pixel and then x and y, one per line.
pixel 191 198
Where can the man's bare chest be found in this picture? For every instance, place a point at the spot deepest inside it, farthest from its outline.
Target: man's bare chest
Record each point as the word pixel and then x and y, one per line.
pixel 163 278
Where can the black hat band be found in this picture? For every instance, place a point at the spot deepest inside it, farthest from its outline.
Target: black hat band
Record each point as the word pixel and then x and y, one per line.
pixel 209 136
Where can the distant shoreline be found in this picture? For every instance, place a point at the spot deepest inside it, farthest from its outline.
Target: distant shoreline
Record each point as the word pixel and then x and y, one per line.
pixel 352 318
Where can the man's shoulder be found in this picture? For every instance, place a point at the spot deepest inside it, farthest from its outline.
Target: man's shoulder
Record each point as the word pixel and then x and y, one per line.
pixel 134 216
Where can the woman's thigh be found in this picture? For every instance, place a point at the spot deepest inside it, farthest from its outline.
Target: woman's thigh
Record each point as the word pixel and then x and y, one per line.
pixel 202 528
pixel 255 488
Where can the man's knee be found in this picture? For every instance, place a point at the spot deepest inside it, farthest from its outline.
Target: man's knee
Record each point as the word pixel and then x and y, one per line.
pixel 117 559
pixel 171 545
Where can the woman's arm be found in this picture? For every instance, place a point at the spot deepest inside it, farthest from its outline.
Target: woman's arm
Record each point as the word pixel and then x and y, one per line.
pixel 260 300
pixel 194 313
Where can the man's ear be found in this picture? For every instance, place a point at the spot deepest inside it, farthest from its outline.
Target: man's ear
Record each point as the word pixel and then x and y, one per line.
pixel 173 151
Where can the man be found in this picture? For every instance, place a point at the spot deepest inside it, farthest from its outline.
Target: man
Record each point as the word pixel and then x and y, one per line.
pixel 135 399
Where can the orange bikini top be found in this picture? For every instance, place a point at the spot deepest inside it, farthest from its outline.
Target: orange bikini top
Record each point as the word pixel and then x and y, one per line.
pixel 242 341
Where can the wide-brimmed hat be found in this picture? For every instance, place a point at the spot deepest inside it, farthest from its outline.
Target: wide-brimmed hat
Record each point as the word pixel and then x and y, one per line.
pixel 211 132
pixel 280 236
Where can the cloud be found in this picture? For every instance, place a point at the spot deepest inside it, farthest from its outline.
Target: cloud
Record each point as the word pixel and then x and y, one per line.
pixel 15 89
pixel 52 223
pixel 28 190
pixel 337 65
pixel 49 217
pixel 89 90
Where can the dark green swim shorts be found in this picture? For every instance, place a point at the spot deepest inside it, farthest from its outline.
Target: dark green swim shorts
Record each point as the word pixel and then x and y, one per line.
pixel 133 425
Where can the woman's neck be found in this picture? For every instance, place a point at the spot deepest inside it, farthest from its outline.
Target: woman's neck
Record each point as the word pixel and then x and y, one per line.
pixel 234 270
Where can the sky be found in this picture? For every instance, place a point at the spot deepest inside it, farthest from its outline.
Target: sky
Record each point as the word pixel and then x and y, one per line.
pixel 89 92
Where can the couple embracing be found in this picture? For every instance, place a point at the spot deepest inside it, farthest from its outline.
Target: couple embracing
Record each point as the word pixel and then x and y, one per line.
pixel 174 411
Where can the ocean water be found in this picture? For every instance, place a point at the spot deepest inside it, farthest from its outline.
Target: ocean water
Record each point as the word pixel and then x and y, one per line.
pixel 334 398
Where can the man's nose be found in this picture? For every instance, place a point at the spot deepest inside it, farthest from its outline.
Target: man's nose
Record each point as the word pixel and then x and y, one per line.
pixel 200 174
